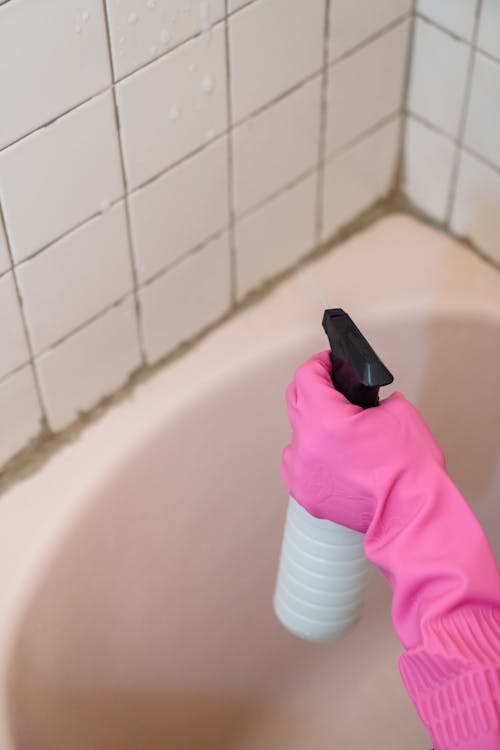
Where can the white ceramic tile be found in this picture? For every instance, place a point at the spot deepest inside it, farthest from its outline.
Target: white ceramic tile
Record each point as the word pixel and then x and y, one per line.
pixel 53 55
pixel 475 211
pixel 140 32
pixel 275 146
pixel 428 164
pixel 458 16
pixel 180 210
pixel 20 410
pixel 84 368
pixel 274 237
pixel 359 177
pixel 482 131
pixel 59 176
pixel 366 87
pixel 77 277
pixel 186 299
pixel 273 44
pixel 489 28
pixel 173 106
pixel 13 347
pixel 438 75
pixel 352 23
pixel 4 252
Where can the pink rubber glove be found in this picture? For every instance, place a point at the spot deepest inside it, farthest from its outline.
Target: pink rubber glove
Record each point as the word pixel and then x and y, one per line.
pixel 380 471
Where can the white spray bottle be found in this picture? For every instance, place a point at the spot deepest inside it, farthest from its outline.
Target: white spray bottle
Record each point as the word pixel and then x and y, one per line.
pixel 323 568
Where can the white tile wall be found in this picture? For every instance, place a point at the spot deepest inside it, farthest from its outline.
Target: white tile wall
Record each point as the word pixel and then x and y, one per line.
pixel 275 236
pixel 475 211
pixel 20 410
pixel 83 369
pixel 127 185
pixel 372 79
pixel 457 16
pixel 489 35
pixel 359 177
pixel 59 176
pixel 438 77
pixel 351 23
pixel 173 106
pixel 76 278
pixel 276 146
pixel 427 153
pixel 482 130
pixel 4 253
pixel 454 175
pixel 179 210
pixel 13 346
pixel 140 32
pixel 179 304
pixel 54 55
pixel 273 44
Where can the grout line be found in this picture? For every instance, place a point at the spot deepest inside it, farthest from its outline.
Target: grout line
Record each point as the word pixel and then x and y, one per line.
pixel 85 323
pixel 365 134
pixel 372 38
pixel 432 22
pixel 177 163
pixel 462 121
pixel 233 271
pixel 188 254
pixel 466 149
pixel 31 359
pixel 279 97
pixel 126 206
pixel 57 117
pixel 237 10
pixel 320 182
pixel 276 194
pixel 68 232
pixel 400 164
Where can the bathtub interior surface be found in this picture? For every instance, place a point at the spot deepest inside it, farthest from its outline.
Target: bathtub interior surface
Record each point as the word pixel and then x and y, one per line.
pixel 147 620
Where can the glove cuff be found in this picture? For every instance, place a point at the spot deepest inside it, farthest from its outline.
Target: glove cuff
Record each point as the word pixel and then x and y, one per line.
pixel 453 677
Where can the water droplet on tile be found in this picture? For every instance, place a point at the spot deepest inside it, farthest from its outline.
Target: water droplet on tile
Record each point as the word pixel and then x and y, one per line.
pixel 123 39
pixel 78 29
pixel 85 16
pixel 191 68
pixel 104 205
pixel 151 4
pixel 132 18
pixel 207 83
pixel 174 112
pixel 154 50
pixel 165 36
pixel 210 134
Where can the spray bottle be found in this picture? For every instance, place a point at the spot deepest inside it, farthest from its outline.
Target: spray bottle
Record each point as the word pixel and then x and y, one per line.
pixel 323 569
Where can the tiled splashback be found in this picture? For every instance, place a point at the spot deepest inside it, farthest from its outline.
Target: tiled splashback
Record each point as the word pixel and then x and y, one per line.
pixel 452 143
pixel 159 159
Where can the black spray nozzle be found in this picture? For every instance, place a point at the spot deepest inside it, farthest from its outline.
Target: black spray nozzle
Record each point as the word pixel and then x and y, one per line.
pixel 357 371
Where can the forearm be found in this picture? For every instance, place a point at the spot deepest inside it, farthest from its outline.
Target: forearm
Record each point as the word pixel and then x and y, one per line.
pixel 446 608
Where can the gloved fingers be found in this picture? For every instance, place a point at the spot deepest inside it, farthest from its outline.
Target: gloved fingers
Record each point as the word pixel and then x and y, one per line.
pixel 315 389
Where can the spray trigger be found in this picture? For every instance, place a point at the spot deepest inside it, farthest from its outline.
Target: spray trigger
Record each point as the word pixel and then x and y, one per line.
pixel 357 371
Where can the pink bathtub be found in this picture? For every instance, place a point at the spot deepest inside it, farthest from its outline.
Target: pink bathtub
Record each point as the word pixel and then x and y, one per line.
pixel 137 567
